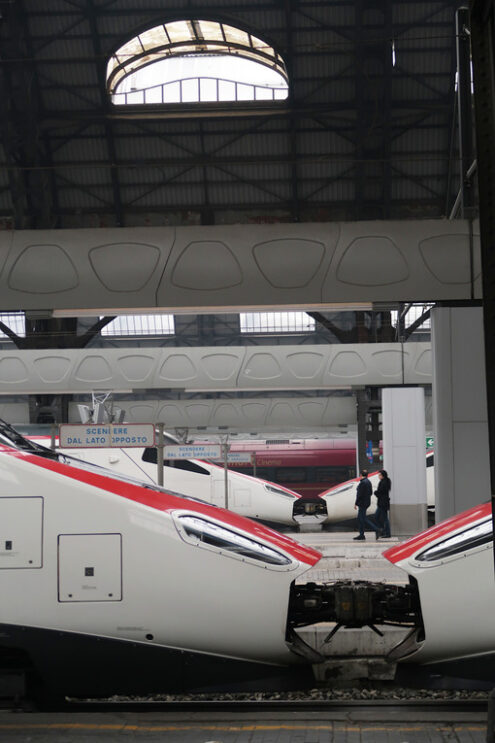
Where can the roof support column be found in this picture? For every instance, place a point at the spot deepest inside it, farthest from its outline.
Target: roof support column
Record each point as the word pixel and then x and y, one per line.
pixel 459 414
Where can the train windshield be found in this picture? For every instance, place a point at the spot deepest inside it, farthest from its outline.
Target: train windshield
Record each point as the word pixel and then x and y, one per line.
pixel 343 489
pixel 12 438
pixel 224 539
pixel 475 536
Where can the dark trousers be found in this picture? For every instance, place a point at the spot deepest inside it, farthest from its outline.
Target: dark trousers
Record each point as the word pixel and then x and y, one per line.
pixel 381 518
pixel 364 521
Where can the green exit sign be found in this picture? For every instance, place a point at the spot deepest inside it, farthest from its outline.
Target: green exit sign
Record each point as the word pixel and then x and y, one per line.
pixel 430 441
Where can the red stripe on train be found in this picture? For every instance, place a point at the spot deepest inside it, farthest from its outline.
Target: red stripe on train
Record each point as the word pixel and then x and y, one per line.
pixel 163 501
pixel 420 541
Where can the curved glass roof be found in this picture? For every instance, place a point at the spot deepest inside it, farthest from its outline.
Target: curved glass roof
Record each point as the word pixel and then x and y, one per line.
pixel 190 39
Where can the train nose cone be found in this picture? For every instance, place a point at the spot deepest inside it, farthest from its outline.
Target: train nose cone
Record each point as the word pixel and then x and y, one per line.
pixel 310 511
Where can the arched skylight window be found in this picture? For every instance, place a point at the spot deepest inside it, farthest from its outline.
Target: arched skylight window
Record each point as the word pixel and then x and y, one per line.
pixel 194 61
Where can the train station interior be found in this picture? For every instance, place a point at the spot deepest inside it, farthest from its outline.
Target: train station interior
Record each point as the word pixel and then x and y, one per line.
pixel 265 226
pixel 255 257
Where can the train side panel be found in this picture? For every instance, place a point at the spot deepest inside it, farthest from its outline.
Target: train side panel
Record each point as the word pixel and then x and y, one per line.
pixel 452 566
pixel 247 496
pixel 124 570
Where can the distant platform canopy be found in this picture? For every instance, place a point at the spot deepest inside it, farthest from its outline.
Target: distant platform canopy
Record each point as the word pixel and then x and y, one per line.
pixel 195 61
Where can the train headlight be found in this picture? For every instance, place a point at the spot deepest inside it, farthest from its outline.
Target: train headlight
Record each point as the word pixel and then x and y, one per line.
pixel 475 536
pixel 279 491
pixel 338 491
pixel 200 530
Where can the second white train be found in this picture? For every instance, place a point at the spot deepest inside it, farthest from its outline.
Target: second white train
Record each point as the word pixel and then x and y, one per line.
pixel 340 499
pixel 248 496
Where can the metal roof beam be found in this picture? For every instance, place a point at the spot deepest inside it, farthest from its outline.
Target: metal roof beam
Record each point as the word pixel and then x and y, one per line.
pixel 101 72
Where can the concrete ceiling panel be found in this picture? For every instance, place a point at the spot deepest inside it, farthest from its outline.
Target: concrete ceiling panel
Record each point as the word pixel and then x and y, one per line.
pixel 124 267
pixel 207 268
pixel 203 369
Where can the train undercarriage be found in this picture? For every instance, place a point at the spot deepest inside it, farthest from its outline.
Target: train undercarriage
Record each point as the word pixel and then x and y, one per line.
pixel 354 604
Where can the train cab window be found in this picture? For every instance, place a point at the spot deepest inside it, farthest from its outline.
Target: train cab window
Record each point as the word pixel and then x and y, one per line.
pixel 465 540
pixel 273 489
pixel 207 532
pixel 150 456
pixel 188 466
pixel 343 489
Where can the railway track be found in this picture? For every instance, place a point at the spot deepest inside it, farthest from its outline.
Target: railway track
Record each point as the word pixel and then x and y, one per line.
pixel 372 709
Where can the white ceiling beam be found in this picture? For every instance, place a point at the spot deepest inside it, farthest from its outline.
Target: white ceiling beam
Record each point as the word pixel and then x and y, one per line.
pixel 214 369
pixel 237 267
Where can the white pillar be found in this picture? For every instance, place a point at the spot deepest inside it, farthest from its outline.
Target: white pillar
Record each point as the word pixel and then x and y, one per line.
pixel 403 413
pixel 462 468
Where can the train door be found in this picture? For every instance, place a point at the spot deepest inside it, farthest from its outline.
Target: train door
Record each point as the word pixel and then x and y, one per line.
pixel 239 493
pixel 218 489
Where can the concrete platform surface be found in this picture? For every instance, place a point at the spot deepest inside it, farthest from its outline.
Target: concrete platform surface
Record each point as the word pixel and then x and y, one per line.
pixel 345 559
pixel 330 727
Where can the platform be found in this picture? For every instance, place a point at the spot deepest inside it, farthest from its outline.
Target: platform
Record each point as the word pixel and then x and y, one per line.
pixel 290 727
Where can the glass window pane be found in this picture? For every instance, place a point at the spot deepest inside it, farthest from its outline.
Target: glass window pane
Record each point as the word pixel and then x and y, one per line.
pixel 245 92
pixel 290 474
pixel 130 49
pixel 171 93
pixel 476 536
pixel 194 50
pixel 276 322
pixel 190 92
pixel 262 46
pixel 413 313
pixel 14 321
pixel 236 35
pixel 263 94
pixel 132 325
pixel 218 536
pixel 211 30
pixel 179 30
pixel 135 97
pixel 226 91
pixel 208 89
pixel 154 94
pixel 153 37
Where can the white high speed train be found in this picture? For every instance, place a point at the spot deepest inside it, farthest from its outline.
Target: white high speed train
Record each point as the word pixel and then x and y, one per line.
pixel 248 496
pixel 112 586
pixel 340 498
pixel 451 568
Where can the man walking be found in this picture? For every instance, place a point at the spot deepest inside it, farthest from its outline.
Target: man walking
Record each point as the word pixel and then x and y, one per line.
pixel 363 501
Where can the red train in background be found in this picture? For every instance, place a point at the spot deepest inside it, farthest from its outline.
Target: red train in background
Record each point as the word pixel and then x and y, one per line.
pixel 308 466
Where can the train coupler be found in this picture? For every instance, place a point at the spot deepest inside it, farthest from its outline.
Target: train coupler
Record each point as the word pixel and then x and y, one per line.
pixel 352 604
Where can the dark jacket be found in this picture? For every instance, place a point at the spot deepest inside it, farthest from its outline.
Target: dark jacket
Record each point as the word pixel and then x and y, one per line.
pixel 363 493
pixel 383 494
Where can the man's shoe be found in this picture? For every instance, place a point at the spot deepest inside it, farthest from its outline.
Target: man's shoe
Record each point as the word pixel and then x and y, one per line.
pixel 360 537
pixel 378 534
